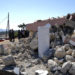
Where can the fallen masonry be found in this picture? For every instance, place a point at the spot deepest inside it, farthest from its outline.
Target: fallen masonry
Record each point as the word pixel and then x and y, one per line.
pixel 47 53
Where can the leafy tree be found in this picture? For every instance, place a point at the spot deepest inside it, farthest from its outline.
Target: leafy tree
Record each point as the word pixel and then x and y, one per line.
pixel 22 26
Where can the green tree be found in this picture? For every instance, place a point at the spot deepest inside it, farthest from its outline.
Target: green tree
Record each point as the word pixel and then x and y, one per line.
pixel 22 26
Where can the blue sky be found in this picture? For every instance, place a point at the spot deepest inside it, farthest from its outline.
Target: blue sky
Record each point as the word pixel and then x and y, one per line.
pixel 28 11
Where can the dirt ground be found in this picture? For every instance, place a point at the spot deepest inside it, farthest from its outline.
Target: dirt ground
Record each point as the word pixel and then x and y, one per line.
pixel 7 41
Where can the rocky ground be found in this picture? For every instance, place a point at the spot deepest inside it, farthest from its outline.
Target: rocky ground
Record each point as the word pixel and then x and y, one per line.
pixel 21 57
pixel 58 61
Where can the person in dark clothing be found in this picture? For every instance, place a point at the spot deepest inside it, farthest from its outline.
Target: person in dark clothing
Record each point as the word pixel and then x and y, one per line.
pixel 26 33
pixel 23 33
pixel 10 38
pixel 11 35
pixel 19 34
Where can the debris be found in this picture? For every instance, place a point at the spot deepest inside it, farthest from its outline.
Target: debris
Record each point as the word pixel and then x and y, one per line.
pixel 29 65
pixel 16 70
pixel 34 44
pixel 56 47
pixel 24 73
pixel 52 64
pixel 66 66
pixel 60 53
pixel 1 49
pixel 41 72
pixel 69 52
pixel 49 53
pixel 72 69
pixel 9 60
pixel 69 58
pixel 73 53
pixel 6 73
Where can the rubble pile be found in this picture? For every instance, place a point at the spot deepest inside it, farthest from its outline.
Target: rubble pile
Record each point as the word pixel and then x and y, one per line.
pixel 63 61
pixel 59 59
pixel 22 50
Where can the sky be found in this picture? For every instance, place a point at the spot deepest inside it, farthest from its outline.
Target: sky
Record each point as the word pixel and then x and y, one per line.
pixel 29 11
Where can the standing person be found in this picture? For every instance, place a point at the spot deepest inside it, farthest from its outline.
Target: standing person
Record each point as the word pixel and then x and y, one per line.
pixel 23 33
pixel 19 34
pixel 13 37
pixel 10 36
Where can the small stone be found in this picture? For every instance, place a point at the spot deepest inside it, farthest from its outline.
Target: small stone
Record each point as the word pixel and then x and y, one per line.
pixel 34 44
pixel 1 49
pixel 73 53
pixel 56 60
pixel 72 69
pixel 41 72
pixel 66 66
pixel 58 73
pixel 1 62
pixel 24 73
pixel 69 58
pixel 8 60
pixel 61 61
pixel 29 65
pixel 35 61
pixel 49 53
pixel 16 70
pixel 60 53
pixel 69 52
pixel 52 64
pixel 58 68
pixel 67 47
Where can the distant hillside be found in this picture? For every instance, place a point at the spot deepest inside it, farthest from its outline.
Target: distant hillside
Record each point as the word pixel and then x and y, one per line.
pixel 2 30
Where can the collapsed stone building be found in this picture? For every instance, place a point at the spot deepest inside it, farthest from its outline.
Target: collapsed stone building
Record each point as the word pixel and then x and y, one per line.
pixel 23 57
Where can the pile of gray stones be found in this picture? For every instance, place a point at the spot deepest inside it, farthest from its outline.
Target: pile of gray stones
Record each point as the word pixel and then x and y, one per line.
pixel 22 59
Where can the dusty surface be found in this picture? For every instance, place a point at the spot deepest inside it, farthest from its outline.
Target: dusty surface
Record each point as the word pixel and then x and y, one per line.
pixel 7 42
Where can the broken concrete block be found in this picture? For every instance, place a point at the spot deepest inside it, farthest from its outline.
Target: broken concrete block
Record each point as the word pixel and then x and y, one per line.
pixel 43 40
pixel 41 72
pixel 8 60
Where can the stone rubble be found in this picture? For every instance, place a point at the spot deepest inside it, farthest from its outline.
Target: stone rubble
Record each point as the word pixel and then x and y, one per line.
pixel 58 60
pixel 60 53
pixel 72 69
pixel 8 60
pixel 65 67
